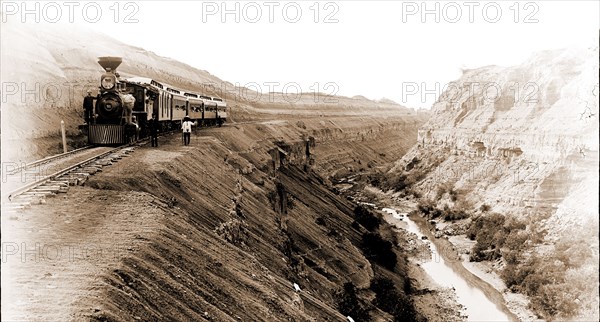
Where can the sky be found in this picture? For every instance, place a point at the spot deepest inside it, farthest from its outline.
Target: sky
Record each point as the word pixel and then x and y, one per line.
pixel 402 50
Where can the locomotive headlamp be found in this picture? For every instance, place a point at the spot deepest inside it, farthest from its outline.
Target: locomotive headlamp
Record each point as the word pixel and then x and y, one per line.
pixel 108 81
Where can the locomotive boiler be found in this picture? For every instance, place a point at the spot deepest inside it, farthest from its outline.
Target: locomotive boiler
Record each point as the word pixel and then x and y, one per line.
pixel 113 123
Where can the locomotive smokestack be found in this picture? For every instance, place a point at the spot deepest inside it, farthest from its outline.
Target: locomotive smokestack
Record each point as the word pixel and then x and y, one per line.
pixel 110 64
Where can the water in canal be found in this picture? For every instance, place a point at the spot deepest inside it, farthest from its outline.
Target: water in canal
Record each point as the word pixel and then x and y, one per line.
pixel 478 307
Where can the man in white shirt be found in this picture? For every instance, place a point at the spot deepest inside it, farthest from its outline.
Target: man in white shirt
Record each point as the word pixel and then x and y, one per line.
pixel 186 126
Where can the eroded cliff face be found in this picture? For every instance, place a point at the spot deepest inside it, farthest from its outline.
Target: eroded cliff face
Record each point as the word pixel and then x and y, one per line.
pixel 520 141
pixel 523 136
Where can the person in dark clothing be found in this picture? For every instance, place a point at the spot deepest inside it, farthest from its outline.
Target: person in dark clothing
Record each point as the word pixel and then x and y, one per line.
pixel 130 130
pixel 88 107
pixel 154 131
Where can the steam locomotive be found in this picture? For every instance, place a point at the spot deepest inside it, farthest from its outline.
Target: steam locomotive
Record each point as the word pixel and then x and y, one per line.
pixel 125 107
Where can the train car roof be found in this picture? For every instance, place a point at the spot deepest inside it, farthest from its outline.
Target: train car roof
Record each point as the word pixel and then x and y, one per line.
pixel 145 81
pixel 194 99
pixel 165 87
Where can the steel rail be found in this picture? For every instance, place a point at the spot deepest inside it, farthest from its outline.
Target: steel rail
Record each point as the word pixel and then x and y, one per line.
pixel 59 173
pixel 48 159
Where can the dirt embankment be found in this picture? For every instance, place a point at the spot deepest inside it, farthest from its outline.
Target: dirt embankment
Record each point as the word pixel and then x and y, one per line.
pixel 214 231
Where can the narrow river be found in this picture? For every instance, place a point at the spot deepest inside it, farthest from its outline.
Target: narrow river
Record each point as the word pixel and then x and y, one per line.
pixel 478 306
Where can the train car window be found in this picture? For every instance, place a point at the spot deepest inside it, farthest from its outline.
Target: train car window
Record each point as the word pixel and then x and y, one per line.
pixel 170 106
pixel 165 104
pixel 140 99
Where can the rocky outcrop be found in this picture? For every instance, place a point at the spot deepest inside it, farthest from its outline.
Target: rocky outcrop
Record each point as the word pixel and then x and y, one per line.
pixel 521 141
pixel 524 136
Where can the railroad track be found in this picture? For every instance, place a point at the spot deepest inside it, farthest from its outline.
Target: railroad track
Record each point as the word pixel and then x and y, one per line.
pixel 27 184
pixel 31 183
pixel 46 160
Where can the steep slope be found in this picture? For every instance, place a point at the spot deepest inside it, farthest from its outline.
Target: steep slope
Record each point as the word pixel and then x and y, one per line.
pixel 551 128
pixel 219 230
pixel 521 141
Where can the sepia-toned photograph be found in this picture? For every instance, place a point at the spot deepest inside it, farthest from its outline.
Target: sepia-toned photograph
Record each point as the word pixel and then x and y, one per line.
pixel 427 161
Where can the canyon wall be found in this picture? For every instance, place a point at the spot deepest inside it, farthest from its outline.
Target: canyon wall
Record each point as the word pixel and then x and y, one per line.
pixel 521 141
pixel 523 136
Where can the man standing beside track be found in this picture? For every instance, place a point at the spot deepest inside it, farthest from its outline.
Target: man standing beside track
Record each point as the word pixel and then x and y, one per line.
pixel 154 131
pixel 186 126
pixel 88 107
